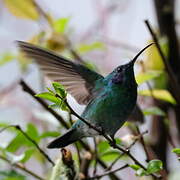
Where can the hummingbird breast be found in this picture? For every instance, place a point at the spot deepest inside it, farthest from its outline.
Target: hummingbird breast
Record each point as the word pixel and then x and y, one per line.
pixel 109 110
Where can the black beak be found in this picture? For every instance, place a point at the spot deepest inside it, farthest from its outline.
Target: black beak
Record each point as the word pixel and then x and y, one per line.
pixel 139 53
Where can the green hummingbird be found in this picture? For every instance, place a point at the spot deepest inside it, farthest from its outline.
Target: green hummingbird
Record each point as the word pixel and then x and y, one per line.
pixel 110 100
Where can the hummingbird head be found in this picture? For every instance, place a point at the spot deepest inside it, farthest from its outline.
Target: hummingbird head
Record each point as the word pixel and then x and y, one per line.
pixel 124 74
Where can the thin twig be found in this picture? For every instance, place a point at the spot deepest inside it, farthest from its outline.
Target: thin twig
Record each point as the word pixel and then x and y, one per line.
pixel 173 81
pixel 109 172
pixel 139 136
pixel 114 162
pixel 143 144
pixel 95 156
pixel 111 141
pixel 31 140
pixel 31 92
pixel 21 167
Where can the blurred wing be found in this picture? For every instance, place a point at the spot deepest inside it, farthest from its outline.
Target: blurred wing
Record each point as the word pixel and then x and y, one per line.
pixel 78 80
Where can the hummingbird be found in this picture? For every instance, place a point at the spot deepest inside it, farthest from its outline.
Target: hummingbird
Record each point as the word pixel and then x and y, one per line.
pixel 110 100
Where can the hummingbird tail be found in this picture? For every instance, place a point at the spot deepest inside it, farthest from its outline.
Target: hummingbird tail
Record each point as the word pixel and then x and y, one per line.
pixel 64 140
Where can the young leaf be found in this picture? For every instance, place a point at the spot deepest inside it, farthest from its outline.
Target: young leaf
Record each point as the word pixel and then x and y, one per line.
pixel 32 132
pixel 59 90
pixel 84 48
pixel 176 150
pixel 49 134
pixel 143 77
pixel 153 59
pixel 153 111
pixel 110 156
pixel 103 146
pixel 154 166
pixel 141 172
pixel 48 96
pixel 5 58
pixel 61 24
pixel 23 9
pixel 64 106
pixel 159 94
pixel 134 166
pixel 27 154
pixel 17 142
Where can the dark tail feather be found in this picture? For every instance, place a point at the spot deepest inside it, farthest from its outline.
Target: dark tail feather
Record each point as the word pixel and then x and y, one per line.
pixel 64 140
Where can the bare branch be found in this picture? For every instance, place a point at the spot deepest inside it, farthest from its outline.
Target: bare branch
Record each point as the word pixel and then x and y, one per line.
pixel 108 172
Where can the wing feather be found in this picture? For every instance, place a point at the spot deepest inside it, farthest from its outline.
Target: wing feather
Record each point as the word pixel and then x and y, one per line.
pixel 78 80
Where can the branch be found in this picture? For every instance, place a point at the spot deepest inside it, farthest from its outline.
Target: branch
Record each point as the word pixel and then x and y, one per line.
pixel 114 162
pixel 172 79
pixel 111 141
pixel 27 89
pixel 21 167
pixel 143 144
pixel 31 140
pixel 108 172
pixel 31 92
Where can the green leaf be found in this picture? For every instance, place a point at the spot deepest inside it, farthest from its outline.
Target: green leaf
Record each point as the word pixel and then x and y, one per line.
pixel 32 132
pixel 48 96
pixel 20 140
pixel 11 175
pixel 110 156
pixel 50 91
pixel 61 24
pixel 134 166
pixel 5 58
pixel 59 90
pixel 16 143
pixel 159 94
pixel 143 77
pixel 84 48
pixel 27 154
pixel 153 58
pixel 176 150
pixel 141 172
pixel 154 166
pixel 49 134
pixel 103 146
pixel 23 9
pixel 64 107
pixel 154 111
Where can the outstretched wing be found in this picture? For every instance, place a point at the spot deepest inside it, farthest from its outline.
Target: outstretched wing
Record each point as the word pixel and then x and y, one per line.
pixel 78 80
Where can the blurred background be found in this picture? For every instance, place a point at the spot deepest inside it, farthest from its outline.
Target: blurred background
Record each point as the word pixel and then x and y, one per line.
pixel 101 34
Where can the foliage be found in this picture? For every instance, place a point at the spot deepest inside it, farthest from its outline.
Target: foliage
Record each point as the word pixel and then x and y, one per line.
pixel 58 96
pixel 152 167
